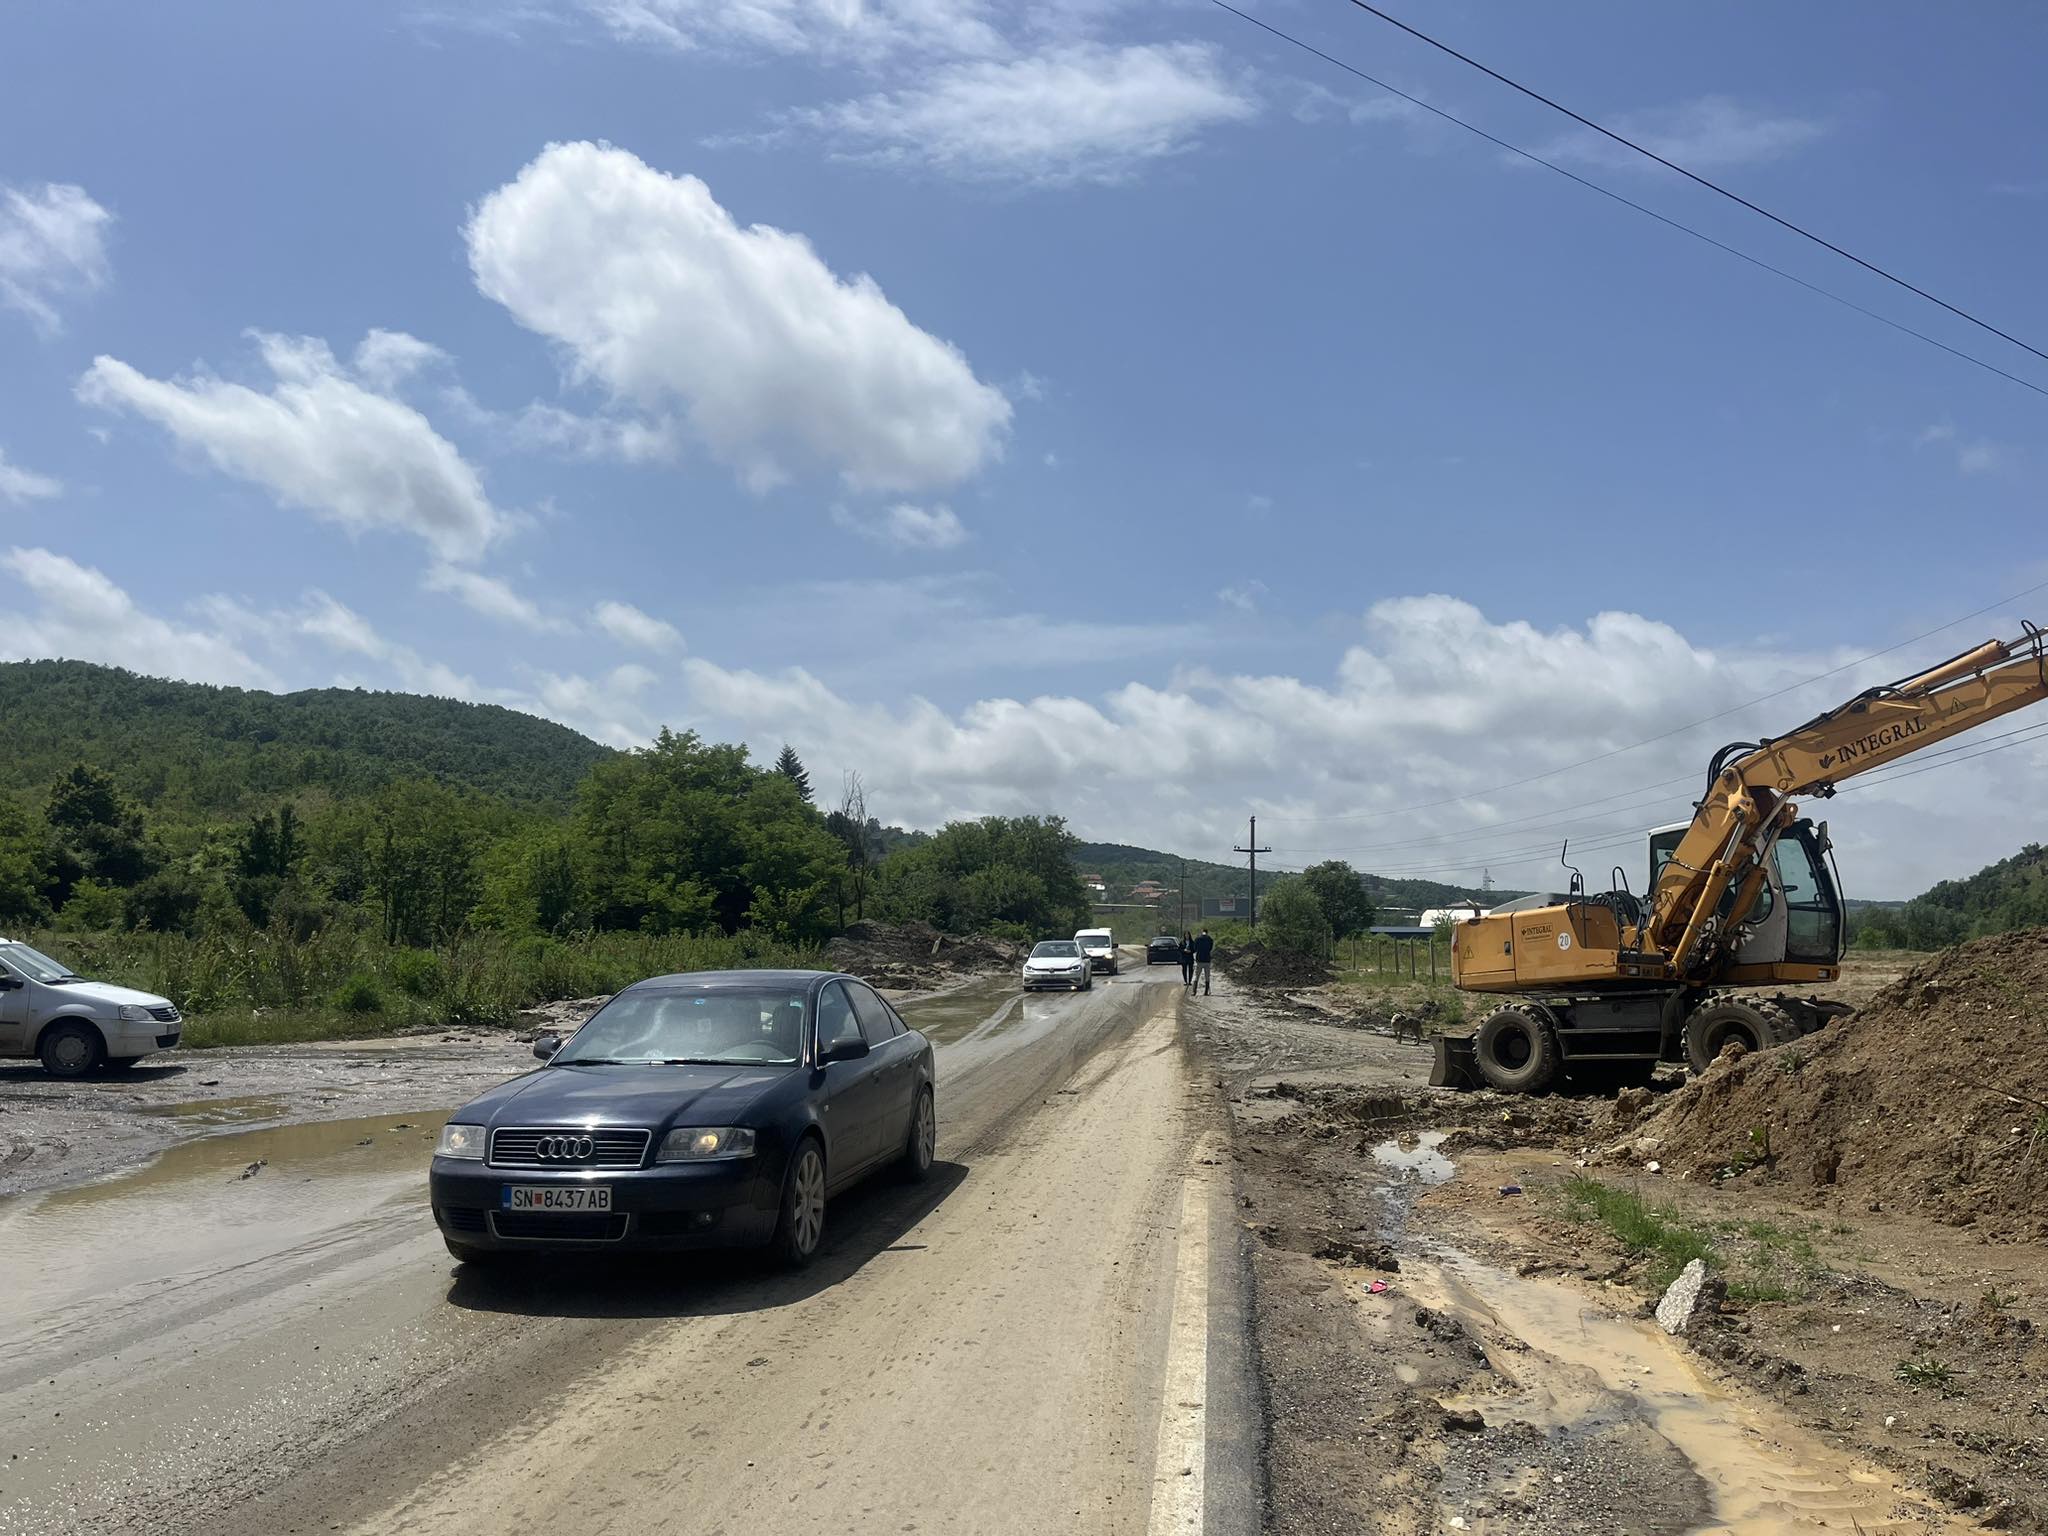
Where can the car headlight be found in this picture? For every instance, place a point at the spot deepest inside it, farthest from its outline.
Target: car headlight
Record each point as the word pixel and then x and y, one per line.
pixel 464 1141
pixel 705 1144
pixel 135 1013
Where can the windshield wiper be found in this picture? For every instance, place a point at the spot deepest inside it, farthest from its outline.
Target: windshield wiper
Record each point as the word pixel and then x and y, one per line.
pixel 602 1061
pixel 720 1061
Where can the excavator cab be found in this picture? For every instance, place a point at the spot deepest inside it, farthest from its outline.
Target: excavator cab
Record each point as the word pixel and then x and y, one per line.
pixel 1797 918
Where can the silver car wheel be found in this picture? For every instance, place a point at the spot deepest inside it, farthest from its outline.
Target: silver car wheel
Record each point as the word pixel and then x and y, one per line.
pixel 927 1131
pixel 71 1052
pixel 807 1201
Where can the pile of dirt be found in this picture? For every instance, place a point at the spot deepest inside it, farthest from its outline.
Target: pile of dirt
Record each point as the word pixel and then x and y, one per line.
pixel 1930 1100
pixel 1254 965
pixel 911 957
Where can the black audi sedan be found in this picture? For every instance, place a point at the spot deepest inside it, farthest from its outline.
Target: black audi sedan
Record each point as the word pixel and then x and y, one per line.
pixel 713 1109
pixel 1163 947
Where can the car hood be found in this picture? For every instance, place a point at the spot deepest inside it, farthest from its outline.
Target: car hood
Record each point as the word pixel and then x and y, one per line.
pixel 108 995
pixel 1054 963
pixel 650 1096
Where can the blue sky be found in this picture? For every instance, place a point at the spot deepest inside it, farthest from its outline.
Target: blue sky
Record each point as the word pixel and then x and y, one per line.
pixel 1098 406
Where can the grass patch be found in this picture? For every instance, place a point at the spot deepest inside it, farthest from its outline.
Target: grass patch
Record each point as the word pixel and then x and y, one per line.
pixel 1644 1228
pixel 1761 1261
pixel 1924 1372
pixel 288 1026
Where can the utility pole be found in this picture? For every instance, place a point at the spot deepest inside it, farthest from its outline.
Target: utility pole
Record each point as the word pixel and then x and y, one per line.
pixel 1254 850
pixel 1182 893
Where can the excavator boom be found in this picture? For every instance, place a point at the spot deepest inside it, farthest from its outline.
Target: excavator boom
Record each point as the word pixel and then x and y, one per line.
pixel 1747 802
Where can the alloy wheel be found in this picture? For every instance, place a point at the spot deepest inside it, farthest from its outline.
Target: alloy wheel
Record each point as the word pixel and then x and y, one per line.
pixel 807 1200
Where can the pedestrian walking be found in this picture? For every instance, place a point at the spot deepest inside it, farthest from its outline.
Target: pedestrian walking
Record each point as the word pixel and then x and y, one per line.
pixel 1187 961
pixel 1204 948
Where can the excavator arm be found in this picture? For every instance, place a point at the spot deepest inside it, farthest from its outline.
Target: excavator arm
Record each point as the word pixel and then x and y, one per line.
pixel 1691 913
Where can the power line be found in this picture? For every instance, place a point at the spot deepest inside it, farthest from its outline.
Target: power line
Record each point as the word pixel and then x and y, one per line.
pixel 1628 202
pixel 1694 176
pixel 1599 757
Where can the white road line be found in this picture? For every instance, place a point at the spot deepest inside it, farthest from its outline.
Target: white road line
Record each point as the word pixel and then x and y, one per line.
pixel 1178 1473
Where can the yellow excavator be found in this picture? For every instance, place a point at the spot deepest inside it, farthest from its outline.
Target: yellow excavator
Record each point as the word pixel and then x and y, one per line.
pixel 1743 915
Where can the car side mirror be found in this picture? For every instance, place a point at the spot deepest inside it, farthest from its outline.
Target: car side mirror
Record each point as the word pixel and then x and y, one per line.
pixel 843 1050
pixel 10 983
pixel 546 1046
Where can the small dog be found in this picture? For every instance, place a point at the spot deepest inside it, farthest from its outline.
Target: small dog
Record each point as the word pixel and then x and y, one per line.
pixel 1406 1025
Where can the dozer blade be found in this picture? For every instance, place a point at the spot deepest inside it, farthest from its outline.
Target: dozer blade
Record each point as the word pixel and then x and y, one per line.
pixel 1456 1064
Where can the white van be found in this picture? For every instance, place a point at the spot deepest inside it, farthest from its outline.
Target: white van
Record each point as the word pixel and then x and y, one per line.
pixel 1099 945
pixel 76 1026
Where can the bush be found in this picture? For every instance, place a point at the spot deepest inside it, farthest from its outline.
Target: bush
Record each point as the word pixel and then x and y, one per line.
pixel 1291 919
pixel 93 908
pixel 419 973
pixel 359 994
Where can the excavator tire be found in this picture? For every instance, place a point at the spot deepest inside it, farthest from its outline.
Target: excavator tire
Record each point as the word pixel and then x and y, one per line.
pixel 1758 1022
pixel 1517 1050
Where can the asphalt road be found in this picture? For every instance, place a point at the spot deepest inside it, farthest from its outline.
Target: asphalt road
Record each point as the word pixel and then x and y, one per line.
pixel 1049 1335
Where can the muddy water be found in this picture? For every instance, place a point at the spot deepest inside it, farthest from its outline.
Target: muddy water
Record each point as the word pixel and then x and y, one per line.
pixel 1423 1159
pixel 1588 1370
pixel 215 1203
pixel 980 1007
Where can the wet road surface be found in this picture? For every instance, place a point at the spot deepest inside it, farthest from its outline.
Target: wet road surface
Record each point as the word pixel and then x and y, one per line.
pixel 259 1331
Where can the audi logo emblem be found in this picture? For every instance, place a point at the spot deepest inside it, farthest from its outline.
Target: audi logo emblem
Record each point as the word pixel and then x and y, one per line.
pixel 565 1149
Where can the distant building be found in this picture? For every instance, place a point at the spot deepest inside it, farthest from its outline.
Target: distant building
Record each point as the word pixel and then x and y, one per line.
pixel 1096 885
pixel 1435 915
pixel 1227 908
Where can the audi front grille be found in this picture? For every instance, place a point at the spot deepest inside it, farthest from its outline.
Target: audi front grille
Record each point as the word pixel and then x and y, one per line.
pixel 552 1146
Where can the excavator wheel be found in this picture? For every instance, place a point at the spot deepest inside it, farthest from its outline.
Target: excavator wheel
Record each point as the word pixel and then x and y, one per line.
pixel 1757 1022
pixel 1517 1050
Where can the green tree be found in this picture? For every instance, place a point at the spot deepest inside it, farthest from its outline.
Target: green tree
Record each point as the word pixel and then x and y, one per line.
pixel 98 829
pixel 1291 918
pixel 791 767
pixel 25 867
pixel 1009 869
pixel 1340 892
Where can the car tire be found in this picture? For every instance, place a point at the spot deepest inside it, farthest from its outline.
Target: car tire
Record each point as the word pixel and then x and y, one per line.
pixel 923 1147
pixel 800 1224
pixel 71 1050
pixel 462 1253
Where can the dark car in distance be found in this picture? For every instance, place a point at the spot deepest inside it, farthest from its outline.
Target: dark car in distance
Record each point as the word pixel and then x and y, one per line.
pixel 712 1109
pixel 1164 949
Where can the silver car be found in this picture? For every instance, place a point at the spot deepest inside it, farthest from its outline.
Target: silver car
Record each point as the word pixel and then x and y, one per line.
pixel 77 1026
pixel 1058 963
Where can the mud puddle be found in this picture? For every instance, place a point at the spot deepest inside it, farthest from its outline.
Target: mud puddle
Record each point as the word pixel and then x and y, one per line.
pixel 1423 1158
pixel 216 1203
pixel 1579 1375
pixel 978 1008
pixel 250 1110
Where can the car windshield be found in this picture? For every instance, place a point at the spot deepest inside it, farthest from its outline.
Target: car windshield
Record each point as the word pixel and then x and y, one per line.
pixel 715 1026
pixel 35 965
pixel 1095 941
pixel 1056 949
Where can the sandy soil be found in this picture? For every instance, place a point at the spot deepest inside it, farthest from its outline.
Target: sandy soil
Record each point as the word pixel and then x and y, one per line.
pixel 1505 1378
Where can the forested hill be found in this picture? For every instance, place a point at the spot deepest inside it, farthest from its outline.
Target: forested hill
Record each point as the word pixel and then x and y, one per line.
pixel 1122 865
pixel 196 748
pixel 2013 893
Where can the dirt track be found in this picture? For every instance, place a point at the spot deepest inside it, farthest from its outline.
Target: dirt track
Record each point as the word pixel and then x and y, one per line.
pixel 1049 1336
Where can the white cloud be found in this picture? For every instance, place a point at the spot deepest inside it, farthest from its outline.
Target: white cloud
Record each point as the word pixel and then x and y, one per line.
pixel 322 440
pixel 607 708
pixel 493 598
pixel 81 614
pixel 53 246
pixel 539 427
pixel 1081 112
pixel 776 363
pixel 1414 730
pixel 386 359
pixel 861 30
pixel 341 628
pixel 1974 456
pixel 1244 597
pixel 1709 133
pixel 904 526
pixel 19 485
pixel 629 626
